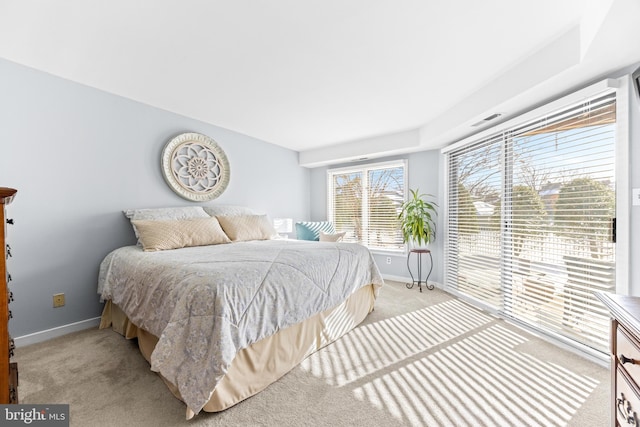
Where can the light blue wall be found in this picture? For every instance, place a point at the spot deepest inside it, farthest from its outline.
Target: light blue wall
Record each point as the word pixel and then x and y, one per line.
pixel 425 174
pixel 78 157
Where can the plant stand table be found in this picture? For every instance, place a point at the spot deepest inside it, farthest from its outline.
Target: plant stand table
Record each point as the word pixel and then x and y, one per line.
pixel 419 253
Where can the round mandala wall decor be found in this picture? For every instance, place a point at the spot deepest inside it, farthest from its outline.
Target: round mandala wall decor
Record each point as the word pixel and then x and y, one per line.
pixel 195 167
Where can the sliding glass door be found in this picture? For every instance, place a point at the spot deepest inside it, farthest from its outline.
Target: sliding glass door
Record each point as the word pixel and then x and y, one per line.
pixel 531 220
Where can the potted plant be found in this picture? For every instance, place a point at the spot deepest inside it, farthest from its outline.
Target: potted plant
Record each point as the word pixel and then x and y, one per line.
pixel 417 219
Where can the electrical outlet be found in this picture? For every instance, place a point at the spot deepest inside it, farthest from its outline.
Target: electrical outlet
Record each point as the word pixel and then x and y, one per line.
pixel 58 300
pixel 388 260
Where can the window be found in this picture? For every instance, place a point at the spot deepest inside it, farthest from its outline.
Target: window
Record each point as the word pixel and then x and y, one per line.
pixel 531 214
pixel 364 201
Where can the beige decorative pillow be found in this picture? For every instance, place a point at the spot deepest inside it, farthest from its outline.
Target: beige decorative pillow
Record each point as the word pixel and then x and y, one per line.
pixel 247 227
pixel 158 235
pixel 185 212
pixel 325 237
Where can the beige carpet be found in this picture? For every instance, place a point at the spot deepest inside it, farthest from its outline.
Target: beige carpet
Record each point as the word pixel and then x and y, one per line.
pixel 418 360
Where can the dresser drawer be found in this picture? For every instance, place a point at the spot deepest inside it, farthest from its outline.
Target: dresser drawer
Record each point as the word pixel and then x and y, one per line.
pixel 628 354
pixel 627 403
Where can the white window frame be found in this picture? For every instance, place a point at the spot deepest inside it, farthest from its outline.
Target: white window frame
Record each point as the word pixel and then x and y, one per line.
pixel 364 169
pixel 622 89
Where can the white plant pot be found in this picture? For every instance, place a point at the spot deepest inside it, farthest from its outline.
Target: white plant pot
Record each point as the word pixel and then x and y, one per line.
pixel 414 245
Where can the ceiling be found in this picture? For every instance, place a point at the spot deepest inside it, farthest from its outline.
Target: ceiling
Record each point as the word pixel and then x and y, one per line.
pixel 331 79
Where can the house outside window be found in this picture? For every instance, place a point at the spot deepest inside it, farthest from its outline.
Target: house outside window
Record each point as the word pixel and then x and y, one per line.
pixel 364 201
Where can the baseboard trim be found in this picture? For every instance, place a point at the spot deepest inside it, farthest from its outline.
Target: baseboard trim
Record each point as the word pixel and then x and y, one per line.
pixel 59 331
pixel 396 278
pixel 403 279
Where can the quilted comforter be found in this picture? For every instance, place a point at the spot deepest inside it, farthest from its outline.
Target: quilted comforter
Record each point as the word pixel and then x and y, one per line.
pixel 206 303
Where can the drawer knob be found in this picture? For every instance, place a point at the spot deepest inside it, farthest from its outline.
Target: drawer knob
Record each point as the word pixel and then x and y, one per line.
pixel 10 221
pixel 624 359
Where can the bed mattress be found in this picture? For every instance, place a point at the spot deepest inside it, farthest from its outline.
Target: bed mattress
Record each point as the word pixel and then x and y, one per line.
pixel 206 304
pixel 267 360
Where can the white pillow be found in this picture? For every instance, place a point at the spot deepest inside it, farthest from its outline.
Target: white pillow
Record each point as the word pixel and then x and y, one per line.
pixel 184 212
pixel 228 210
pixel 336 237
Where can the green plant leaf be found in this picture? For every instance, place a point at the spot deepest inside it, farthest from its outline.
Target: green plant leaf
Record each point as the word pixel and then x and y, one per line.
pixel 417 217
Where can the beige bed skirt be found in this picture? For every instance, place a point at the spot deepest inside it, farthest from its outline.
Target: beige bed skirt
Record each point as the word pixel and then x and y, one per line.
pixel 267 360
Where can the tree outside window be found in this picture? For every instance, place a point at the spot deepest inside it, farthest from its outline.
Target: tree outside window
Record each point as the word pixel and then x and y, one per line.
pixel 364 202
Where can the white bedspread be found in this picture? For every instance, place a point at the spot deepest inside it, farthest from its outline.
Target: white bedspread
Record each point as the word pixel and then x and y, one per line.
pixel 206 303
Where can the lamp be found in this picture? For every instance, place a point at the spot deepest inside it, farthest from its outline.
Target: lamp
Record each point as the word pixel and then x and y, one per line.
pixel 283 225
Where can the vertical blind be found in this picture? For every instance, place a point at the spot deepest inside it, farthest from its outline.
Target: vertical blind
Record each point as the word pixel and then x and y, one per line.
pixel 530 220
pixel 364 201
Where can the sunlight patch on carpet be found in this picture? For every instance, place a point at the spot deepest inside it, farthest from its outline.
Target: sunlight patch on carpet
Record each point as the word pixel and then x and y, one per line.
pixel 480 380
pixel 372 347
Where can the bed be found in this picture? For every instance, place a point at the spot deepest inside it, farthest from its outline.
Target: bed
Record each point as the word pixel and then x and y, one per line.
pixel 221 321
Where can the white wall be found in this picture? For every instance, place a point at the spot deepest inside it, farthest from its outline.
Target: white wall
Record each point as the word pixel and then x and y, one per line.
pixel 78 157
pixel 634 159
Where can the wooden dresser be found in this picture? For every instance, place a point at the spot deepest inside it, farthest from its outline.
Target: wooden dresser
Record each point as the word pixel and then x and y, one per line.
pixel 625 358
pixel 8 370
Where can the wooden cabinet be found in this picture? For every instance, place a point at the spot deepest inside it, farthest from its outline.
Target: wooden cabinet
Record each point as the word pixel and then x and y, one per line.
pixel 8 370
pixel 625 358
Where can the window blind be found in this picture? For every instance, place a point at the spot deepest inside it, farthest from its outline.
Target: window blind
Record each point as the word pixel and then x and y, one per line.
pixel 530 211
pixel 473 249
pixel 364 201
